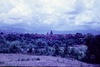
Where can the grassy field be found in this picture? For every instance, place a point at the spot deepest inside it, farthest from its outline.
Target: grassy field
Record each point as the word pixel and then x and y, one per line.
pixel 31 60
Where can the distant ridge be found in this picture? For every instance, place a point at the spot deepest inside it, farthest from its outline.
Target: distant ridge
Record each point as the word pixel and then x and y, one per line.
pixel 78 31
pixel 22 30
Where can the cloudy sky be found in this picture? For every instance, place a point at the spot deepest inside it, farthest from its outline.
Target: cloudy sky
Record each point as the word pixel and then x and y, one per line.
pixel 59 15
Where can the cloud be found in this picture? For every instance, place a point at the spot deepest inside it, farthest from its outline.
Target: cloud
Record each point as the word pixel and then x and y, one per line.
pixel 19 13
pixel 52 14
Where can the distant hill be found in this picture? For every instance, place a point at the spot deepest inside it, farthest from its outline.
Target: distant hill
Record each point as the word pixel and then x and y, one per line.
pixel 44 31
pixel 78 31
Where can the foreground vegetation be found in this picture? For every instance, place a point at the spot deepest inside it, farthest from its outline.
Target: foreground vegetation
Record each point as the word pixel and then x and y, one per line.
pixel 82 47
pixel 18 60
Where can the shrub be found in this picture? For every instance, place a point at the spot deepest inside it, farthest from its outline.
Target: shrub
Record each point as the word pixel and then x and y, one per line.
pixel 30 50
pixel 62 52
pixel 15 47
pixel 65 52
pixel 79 51
pixel 56 52
pixel 37 58
pixel 50 51
pixel 4 47
pixel 2 62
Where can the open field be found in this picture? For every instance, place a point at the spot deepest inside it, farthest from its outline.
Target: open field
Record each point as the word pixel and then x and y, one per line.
pixel 30 60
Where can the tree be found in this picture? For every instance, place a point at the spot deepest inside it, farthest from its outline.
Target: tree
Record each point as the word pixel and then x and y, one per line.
pixel 65 50
pixel 51 33
pixel 95 49
pixel 15 49
pixel 30 50
pixel 56 52
pixel 93 52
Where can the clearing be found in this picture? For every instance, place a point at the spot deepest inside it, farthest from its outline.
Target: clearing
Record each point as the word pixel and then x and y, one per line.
pixel 31 60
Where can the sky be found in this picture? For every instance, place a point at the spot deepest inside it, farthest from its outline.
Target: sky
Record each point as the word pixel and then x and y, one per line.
pixel 45 15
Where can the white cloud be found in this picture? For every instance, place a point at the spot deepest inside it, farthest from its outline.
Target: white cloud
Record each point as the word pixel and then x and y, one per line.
pixel 57 14
pixel 19 13
pixel 84 18
pixel 20 10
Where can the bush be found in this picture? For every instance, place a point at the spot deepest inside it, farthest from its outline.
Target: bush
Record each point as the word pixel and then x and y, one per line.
pixel 78 51
pixel 15 47
pixel 65 51
pixel 4 50
pixel 2 62
pixel 4 47
pixel 57 50
pixel 30 50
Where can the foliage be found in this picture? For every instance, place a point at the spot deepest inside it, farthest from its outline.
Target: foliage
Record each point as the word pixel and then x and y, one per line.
pixel 64 45
pixel 93 53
